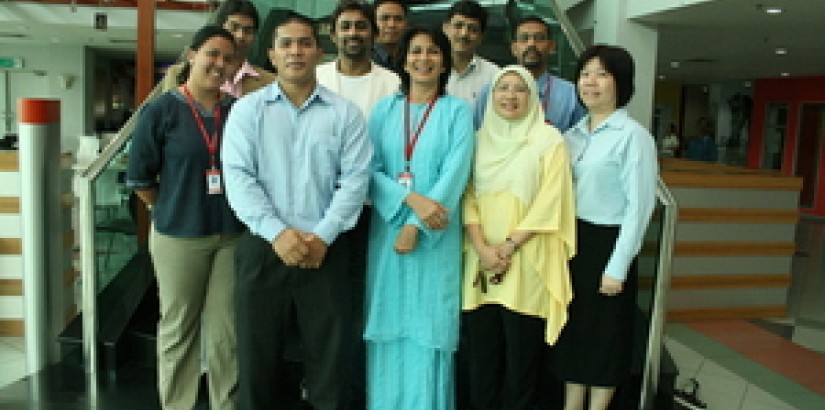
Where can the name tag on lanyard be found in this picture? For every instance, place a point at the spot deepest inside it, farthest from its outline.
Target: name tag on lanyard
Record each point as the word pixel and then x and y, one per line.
pixel 406 178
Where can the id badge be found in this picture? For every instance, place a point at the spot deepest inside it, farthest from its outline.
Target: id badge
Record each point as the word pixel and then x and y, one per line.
pixel 213 182
pixel 405 179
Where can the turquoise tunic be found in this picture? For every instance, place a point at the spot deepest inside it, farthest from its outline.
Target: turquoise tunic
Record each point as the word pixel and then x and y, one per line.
pixel 413 300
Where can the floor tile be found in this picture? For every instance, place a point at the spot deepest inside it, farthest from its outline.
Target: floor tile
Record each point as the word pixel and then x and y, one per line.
pixel 758 399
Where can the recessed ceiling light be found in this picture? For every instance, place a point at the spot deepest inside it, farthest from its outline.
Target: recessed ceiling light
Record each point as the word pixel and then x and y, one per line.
pixel 674 64
pixel 748 84
pixel 781 51
pixel 785 74
pixel 661 77
pixel 773 10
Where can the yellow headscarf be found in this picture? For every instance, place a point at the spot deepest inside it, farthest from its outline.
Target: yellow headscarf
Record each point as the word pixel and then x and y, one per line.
pixel 506 147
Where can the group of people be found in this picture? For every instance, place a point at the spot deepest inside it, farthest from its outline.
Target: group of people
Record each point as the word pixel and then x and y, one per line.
pixel 373 211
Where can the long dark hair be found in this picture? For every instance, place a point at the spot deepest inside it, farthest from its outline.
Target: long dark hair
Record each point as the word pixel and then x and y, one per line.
pixel 202 36
pixel 440 41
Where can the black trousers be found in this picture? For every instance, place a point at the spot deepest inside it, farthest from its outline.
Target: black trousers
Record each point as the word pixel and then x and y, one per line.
pixel 358 239
pixel 505 350
pixel 269 295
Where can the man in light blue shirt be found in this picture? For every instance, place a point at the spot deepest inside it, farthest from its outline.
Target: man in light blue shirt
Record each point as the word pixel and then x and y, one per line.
pixel 532 44
pixel 296 160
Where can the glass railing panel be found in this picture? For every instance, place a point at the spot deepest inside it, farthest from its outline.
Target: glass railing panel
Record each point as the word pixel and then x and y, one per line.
pixel 115 220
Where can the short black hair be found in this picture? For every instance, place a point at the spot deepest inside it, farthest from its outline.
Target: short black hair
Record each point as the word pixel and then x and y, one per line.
pixel 470 9
pixel 440 41
pixel 618 62
pixel 242 7
pixel 401 3
pixel 293 17
pixel 530 19
pixel 198 40
pixel 355 5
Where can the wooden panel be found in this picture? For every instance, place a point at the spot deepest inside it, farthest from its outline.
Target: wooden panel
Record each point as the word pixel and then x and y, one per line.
pixel 9 205
pixel 727 215
pixel 749 312
pixel 66 201
pixel 8 161
pixel 693 282
pixel 11 287
pixel 69 315
pixel 68 239
pixel 10 246
pixel 11 327
pixel 69 276
pixel 731 181
pixel 734 248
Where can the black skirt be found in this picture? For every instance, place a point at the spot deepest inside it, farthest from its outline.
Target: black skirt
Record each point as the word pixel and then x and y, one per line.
pixel 596 344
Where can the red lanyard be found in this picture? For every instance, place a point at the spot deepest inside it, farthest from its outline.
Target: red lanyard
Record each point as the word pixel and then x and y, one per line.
pixel 545 103
pixel 411 141
pixel 211 142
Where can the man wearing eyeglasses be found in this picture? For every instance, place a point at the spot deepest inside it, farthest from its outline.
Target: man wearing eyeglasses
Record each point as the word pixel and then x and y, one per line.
pixel 532 45
pixel 240 18
pixel 464 27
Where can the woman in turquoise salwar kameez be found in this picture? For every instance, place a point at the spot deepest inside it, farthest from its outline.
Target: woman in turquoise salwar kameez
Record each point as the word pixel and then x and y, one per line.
pixel 423 143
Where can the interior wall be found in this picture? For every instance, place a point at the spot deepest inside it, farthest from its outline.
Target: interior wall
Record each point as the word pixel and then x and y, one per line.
pixel 794 92
pixel 54 61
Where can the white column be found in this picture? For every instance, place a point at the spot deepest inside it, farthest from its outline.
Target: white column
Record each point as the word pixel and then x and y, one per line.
pixel 38 127
pixel 612 27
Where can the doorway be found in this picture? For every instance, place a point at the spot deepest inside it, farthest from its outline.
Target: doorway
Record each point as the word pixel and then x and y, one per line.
pixel 811 132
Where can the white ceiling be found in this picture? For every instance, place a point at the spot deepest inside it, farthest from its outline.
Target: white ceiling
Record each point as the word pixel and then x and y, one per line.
pixel 44 24
pixel 736 40
pixel 712 40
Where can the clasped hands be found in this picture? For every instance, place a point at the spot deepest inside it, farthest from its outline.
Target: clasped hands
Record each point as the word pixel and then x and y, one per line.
pixel 302 249
pixel 495 259
pixel 434 216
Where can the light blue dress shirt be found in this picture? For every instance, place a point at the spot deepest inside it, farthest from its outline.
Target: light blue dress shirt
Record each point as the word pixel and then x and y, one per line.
pixel 304 167
pixel 614 174
pixel 562 108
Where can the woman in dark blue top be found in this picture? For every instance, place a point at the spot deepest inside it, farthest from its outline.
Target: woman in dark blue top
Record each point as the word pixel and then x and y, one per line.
pixel 175 169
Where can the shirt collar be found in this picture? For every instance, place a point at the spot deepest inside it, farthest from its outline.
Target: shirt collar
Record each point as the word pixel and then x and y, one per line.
pixel 616 120
pixel 471 66
pixel 233 87
pixel 320 94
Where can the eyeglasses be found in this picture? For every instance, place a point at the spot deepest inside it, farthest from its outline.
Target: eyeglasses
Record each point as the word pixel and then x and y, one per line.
pixel 460 25
pixel 525 37
pixel 232 27
pixel 516 88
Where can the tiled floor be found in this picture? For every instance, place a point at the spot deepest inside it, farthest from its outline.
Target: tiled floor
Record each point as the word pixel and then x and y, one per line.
pixel 771 364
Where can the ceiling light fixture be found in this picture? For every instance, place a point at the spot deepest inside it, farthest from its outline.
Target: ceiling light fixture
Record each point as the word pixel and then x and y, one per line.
pixel 674 64
pixel 781 51
pixel 773 10
pixel 785 74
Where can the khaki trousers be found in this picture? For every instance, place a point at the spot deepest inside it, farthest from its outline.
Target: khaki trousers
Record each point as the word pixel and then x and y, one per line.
pixel 196 282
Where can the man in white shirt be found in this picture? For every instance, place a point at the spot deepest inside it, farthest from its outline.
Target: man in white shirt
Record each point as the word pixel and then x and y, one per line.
pixel 355 76
pixel 464 27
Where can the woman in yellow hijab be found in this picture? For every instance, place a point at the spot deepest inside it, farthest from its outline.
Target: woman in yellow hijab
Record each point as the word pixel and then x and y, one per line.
pixel 520 221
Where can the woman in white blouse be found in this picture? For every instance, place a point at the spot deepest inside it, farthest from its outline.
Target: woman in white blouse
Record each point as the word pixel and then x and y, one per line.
pixel 614 176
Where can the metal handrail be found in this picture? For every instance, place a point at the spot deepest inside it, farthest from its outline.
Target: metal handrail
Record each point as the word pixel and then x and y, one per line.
pixel 83 187
pixel 650 376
